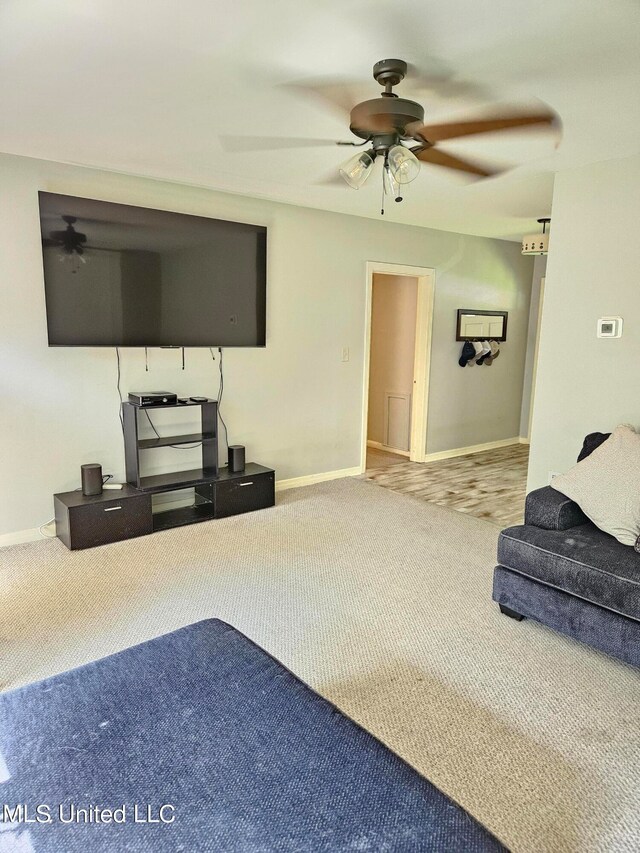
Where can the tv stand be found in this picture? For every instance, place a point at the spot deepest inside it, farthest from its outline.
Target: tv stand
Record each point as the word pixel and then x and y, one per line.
pixel 83 522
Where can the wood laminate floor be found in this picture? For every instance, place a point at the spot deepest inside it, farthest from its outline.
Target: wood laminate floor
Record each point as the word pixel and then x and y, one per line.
pixel 489 485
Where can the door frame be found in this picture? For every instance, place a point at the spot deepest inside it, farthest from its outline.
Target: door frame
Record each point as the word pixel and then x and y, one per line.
pixel 536 353
pixel 422 354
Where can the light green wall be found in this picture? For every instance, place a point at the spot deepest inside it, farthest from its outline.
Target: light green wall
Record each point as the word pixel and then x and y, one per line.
pixel 585 384
pixel 295 404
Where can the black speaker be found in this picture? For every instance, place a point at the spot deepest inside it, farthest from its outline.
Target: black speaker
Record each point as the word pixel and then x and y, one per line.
pixel 91 475
pixel 236 458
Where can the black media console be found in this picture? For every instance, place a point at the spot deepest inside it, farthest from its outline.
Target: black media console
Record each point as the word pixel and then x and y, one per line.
pixel 83 522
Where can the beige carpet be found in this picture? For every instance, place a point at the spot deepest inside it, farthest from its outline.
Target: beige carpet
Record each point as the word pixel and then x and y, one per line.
pixel 383 604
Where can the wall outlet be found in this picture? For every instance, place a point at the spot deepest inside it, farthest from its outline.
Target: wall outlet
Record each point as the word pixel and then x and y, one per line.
pixel 345 353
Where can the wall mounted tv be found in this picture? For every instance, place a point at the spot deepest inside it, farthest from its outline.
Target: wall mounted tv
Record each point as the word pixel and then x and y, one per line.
pixel 117 275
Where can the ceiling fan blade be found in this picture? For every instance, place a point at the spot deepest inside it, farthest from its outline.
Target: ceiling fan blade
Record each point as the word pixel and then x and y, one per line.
pixel 456 129
pixel 341 96
pixel 438 80
pixel 270 143
pixel 441 158
pixel 333 179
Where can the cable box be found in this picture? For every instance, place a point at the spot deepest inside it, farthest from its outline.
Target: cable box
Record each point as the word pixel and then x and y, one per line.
pixel 153 398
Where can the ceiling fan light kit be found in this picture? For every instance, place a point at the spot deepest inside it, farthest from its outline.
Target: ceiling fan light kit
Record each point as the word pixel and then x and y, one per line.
pixel 390 124
pixel 404 165
pixel 357 169
pixel 537 244
pixel 390 185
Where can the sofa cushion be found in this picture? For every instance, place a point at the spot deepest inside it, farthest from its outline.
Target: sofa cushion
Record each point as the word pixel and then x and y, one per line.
pixel 591 441
pixel 552 510
pixel 605 485
pixel 582 561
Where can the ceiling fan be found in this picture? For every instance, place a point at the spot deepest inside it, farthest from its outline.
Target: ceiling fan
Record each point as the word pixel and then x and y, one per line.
pixel 69 240
pixel 72 244
pixel 394 129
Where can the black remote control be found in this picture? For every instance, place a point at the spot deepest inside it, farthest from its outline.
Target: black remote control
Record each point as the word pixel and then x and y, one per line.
pixel 199 399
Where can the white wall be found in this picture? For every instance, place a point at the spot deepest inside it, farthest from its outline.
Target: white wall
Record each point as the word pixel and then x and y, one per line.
pixel 295 404
pixel 539 270
pixel 393 341
pixel 585 384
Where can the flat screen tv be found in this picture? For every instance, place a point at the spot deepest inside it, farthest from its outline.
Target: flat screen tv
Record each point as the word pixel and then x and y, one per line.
pixel 117 275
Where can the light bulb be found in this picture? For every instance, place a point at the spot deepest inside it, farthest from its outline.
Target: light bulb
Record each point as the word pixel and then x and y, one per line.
pixel 391 186
pixel 404 165
pixel 357 169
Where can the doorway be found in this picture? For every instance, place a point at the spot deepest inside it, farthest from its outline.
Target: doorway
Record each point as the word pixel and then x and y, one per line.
pixel 399 315
pixel 485 480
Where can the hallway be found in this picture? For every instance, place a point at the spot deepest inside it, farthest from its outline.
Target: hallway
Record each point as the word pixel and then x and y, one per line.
pixel 490 485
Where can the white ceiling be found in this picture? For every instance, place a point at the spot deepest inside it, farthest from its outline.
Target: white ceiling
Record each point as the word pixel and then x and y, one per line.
pixel 175 90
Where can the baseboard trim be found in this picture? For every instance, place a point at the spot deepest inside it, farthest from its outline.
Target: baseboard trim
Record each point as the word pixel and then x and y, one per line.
pixel 524 440
pixel 310 479
pixel 473 448
pixel 21 536
pixel 377 445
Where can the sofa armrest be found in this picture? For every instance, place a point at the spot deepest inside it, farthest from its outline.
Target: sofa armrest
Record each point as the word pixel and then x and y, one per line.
pixel 551 510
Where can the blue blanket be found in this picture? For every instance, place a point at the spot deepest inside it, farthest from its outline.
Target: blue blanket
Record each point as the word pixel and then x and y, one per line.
pixel 201 741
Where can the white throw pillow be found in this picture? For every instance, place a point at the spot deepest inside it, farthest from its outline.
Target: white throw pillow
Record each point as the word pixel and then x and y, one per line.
pixel 606 485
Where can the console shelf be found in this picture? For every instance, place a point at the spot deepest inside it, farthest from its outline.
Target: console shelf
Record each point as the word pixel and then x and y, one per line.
pixel 170 440
pixel 181 516
pixel 133 444
pixel 175 480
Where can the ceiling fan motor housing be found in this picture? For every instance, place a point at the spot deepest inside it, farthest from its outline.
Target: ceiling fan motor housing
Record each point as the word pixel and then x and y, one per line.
pixel 390 72
pixel 385 115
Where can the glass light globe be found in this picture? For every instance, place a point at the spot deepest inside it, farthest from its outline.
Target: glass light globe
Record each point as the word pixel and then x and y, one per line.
pixel 404 165
pixel 391 186
pixel 357 169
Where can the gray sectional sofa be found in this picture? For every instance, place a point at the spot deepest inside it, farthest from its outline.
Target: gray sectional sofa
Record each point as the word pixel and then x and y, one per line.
pixel 560 569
